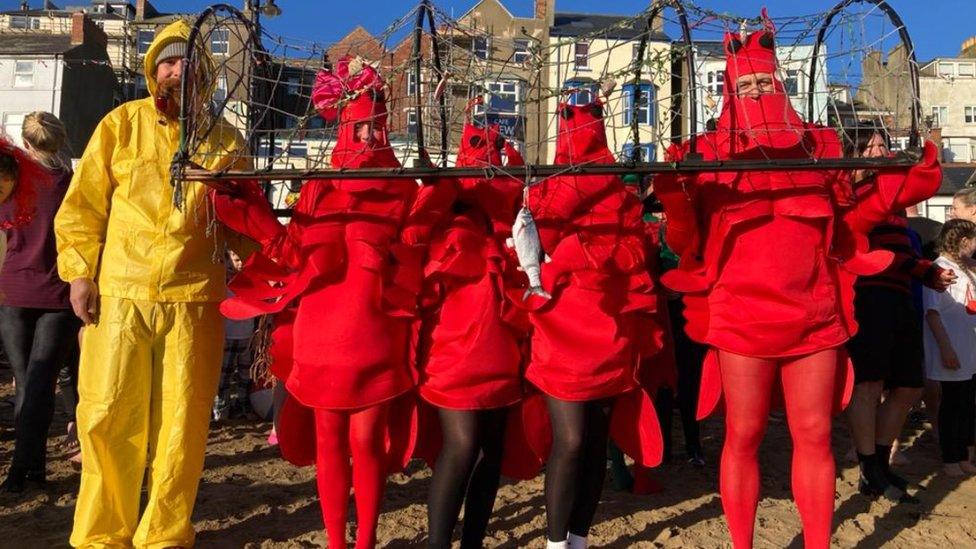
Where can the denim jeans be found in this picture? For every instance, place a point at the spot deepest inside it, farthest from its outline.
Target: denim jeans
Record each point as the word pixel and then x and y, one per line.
pixel 38 343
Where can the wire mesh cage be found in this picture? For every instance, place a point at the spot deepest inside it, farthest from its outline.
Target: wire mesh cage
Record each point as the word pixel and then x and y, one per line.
pixel 659 76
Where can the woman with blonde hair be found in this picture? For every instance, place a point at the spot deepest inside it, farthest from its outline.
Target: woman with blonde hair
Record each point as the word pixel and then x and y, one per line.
pixel 37 326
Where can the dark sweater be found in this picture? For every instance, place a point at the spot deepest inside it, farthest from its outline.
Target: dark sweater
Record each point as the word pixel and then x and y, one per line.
pixel 29 277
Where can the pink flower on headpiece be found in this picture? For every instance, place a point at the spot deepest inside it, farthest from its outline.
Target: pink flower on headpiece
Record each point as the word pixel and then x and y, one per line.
pixel 350 77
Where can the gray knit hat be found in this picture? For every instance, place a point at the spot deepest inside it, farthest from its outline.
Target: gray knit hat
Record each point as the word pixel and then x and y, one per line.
pixel 176 48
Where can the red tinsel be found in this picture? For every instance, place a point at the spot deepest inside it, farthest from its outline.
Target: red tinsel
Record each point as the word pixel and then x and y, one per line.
pixel 20 207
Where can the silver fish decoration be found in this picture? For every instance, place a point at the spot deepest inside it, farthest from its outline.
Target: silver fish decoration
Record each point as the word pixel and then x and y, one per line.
pixel 528 248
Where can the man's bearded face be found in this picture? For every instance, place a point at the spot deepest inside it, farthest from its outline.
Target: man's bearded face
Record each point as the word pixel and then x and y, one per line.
pixel 168 73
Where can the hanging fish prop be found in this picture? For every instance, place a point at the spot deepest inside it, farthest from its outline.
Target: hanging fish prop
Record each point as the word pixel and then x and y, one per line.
pixel 528 248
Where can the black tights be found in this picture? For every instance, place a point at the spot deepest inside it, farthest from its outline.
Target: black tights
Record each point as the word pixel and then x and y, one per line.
pixel 577 465
pixel 468 471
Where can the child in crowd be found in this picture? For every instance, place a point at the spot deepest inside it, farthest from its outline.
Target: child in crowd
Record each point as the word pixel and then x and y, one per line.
pixel 235 373
pixel 950 345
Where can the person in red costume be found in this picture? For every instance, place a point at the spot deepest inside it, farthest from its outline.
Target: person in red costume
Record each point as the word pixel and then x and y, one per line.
pixel 768 261
pixel 585 349
pixel 470 352
pixel 349 264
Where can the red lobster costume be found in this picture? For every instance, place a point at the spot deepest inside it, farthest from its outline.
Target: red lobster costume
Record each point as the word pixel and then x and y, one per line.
pixel 349 269
pixel 586 340
pixel 768 263
pixel 471 355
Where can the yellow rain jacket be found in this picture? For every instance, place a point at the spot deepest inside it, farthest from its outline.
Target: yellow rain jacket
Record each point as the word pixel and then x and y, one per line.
pixel 142 247
pixel 150 365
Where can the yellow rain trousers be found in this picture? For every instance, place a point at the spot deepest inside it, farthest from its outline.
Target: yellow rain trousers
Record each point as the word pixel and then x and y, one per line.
pixel 150 374
pixel 149 367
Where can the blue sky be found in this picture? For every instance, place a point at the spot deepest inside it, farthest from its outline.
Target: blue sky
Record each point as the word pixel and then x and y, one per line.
pixel 938 27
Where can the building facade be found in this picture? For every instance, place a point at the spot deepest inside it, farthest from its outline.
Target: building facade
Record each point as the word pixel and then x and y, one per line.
pixel 586 53
pixel 66 74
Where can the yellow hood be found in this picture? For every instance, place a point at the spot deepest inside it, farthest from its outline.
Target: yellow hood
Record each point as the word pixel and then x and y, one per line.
pixel 178 30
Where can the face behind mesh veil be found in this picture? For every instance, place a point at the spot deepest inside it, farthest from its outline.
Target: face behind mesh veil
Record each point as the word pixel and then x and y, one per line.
pixel 767 120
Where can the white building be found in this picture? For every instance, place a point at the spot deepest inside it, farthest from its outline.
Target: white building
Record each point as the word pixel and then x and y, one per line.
pixel 947 90
pixel 68 75
pixel 585 50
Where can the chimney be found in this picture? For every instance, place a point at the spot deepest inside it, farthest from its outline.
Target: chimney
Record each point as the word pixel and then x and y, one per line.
pixel 545 10
pixel 141 10
pixel 968 48
pixel 84 30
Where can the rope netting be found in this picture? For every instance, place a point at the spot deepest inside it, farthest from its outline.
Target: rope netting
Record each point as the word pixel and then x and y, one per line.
pixel 660 76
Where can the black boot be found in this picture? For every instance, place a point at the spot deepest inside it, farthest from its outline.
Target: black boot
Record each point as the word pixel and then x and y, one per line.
pixel 872 481
pixel 15 483
pixel 884 455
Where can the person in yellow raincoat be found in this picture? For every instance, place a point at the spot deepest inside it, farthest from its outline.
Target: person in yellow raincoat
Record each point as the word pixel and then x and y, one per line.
pixel 144 282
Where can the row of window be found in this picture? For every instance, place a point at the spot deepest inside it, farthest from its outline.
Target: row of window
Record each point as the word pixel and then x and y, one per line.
pixel 219 41
pixel 952 70
pixel 940 115
pixel 481 48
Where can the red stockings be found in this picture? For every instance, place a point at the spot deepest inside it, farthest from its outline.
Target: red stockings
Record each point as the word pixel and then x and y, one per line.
pixel 808 388
pixel 359 435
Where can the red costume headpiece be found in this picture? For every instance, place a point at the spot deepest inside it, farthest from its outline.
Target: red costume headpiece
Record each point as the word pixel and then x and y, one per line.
pixel 20 207
pixel 768 120
pixel 353 93
pixel 581 136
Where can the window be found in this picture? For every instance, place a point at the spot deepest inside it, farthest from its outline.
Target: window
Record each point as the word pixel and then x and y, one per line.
pixel 635 51
pixel 24 22
pixel 581 55
pixel 23 74
pixel 582 92
pixel 411 84
pixel 647 153
pixel 12 126
pixel 141 89
pixel 947 69
pixel 521 55
pixel 143 39
pixel 220 91
pixel 479 47
pixel 715 80
pixel 411 120
pixel 220 41
pixel 966 69
pixel 792 83
pixel 503 97
pixel 642 107
pixel 940 116
pixel 293 85
pixel 971 115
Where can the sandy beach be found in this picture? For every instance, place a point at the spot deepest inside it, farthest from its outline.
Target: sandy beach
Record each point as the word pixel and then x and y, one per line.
pixel 249 497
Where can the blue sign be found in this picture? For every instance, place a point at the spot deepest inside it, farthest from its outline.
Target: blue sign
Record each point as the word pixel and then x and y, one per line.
pixel 511 126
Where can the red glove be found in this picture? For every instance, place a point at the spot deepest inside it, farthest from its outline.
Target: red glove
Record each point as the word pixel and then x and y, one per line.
pixel 247 212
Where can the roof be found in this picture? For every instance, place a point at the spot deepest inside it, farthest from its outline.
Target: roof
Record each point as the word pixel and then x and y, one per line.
pixel 955 177
pixel 35 43
pixel 64 13
pixel 710 48
pixel 618 27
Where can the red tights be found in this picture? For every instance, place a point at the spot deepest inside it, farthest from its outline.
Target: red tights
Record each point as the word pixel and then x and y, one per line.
pixel 808 388
pixel 359 435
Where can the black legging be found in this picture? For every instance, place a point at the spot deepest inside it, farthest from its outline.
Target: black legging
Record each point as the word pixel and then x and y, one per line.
pixel 577 465
pixel 37 343
pixel 689 356
pixel 957 414
pixel 468 471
